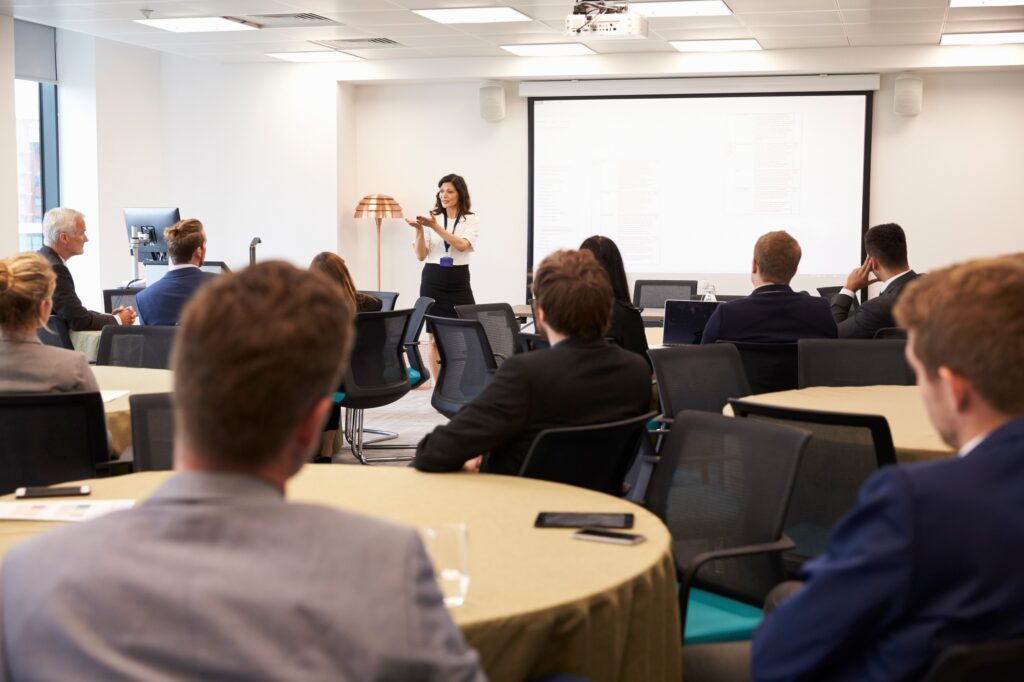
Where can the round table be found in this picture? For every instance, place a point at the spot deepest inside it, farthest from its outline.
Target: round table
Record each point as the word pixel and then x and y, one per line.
pixel 913 435
pixel 538 602
pixel 118 411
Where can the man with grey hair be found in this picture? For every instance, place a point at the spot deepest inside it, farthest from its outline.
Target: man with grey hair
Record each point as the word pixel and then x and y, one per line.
pixel 64 237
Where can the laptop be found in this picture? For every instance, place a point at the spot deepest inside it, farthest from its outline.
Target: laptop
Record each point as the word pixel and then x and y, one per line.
pixel 685 321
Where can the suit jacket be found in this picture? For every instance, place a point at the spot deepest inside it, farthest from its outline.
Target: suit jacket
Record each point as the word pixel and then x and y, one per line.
pixel 927 559
pixel 574 383
pixel 627 329
pixel 871 316
pixel 773 313
pixel 216 576
pixel 161 302
pixel 66 303
pixel 31 367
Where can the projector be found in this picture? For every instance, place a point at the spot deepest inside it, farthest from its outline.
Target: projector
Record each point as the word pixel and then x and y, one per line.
pixel 604 19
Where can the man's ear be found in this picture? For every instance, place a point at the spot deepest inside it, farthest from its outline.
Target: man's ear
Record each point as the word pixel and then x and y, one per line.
pixel 957 388
pixel 307 433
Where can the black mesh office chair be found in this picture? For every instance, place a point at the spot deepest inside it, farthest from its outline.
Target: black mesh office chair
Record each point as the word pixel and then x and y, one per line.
pixel 723 298
pixel 698 377
pixel 376 376
pixel 387 299
pixel 152 432
pixel 722 488
pixel 829 293
pixel 48 438
pixel 853 362
pixel 844 450
pixel 595 457
pixel 136 346
pixel 467 363
pixel 652 293
pixel 499 322
pixel 769 367
pixel 55 333
pixel 985 662
pixel 418 372
pixel 891 333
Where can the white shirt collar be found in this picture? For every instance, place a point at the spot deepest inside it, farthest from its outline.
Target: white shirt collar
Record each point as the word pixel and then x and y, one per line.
pixel 971 444
pixel 891 280
pixel 181 266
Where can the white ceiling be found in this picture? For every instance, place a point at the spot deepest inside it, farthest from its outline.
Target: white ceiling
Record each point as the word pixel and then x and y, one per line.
pixel 776 24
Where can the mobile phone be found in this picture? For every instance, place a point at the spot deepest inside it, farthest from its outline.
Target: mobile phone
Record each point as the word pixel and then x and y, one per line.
pixel 598 535
pixel 43 491
pixel 583 520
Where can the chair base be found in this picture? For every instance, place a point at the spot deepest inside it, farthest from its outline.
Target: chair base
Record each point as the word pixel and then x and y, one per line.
pixel 354 431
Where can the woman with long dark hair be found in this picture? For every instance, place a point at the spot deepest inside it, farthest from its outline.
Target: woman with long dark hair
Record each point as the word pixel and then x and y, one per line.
pixel 627 327
pixel 333 265
pixel 445 239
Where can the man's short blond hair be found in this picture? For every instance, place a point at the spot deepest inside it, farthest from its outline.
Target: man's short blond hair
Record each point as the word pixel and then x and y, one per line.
pixel 255 352
pixel 970 318
pixel 777 256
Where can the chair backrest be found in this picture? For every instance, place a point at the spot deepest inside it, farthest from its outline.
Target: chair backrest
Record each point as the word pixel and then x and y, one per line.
pixel 722 483
pixel 387 298
pixel 652 293
pixel 376 374
pixel 135 346
pixel 121 297
pixel 769 366
pixel 55 333
pixel 50 438
pixel 467 363
pixel 843 451
pixel 853 362
pixel 698 377
pixel 152 432
pixel 988 661
pixel 412 339
pixel 595 457
pixel 829 293
pixel 499 322
pixel 891 333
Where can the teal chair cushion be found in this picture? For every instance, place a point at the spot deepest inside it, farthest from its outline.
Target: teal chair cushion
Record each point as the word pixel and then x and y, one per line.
pixel 414 376
pixel 712 618
pixel 339 398
pixel 654 425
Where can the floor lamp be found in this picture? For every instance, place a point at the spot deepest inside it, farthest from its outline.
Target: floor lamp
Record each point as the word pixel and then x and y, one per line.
pixel 378 207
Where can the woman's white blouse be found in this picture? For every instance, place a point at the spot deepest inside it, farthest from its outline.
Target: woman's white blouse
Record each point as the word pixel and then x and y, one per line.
pixel 468 228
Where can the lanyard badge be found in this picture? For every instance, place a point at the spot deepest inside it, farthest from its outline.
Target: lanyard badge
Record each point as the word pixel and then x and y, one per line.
pixel 446 260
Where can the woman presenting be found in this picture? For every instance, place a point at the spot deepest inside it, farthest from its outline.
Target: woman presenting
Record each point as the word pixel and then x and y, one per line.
pixel 445 240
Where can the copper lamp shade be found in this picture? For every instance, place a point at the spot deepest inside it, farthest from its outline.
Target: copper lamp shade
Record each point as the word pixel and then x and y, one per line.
pixel 378 207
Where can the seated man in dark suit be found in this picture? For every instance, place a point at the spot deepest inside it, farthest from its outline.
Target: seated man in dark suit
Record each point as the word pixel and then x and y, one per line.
pixel 582 379
pixel 64 237
pixel 773 313
pixel 162 301
pixel 216 576
pixel 886 246
pixel 929 557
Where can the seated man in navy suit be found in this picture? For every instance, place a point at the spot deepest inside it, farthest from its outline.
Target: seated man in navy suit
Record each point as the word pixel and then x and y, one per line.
pixel 161 302
pixel 773 313
pixel 926 560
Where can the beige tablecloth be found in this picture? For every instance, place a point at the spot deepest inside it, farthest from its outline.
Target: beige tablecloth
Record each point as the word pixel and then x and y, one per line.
pixel 118 411
pixel 539 602
pixel 912 433
pixel 87 343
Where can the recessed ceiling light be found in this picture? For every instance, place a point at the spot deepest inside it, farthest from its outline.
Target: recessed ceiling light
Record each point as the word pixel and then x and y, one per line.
pixel 985 3
pixel 472 15
pixel 198 24
pixel 318 56
pixel 715 45
pixel 549 50
pixel 682 8
pixel 981 38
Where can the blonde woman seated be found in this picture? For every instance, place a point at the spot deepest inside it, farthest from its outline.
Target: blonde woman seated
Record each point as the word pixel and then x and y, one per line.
pixel 26 365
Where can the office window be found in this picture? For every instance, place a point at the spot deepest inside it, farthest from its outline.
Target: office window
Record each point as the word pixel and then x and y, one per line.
pixel 38 190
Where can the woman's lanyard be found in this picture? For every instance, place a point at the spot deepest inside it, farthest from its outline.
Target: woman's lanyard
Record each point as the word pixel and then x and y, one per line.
pixel 447 246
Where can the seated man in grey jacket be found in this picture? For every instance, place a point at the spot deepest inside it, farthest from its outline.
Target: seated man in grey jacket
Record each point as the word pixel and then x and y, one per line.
pixel 216 575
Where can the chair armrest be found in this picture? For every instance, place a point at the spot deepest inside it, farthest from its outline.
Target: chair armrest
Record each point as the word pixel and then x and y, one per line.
pixel 500 355
pixel 690 572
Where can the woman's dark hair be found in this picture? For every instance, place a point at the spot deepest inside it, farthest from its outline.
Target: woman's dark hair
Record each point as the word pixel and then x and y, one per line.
pixel 608 256
pixel 460 186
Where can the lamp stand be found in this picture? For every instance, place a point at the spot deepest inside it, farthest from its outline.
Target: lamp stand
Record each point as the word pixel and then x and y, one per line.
pixel 378 254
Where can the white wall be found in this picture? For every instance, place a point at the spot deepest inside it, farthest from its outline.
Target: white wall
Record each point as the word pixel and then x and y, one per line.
pixel 252 150
pixel 951 176
pixel 8 143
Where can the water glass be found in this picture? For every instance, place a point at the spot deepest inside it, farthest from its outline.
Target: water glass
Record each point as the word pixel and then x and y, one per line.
pixel 448 547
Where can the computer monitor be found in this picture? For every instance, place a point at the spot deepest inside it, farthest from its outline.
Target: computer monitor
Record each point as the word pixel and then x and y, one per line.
pixel 685 321
pixel 152 222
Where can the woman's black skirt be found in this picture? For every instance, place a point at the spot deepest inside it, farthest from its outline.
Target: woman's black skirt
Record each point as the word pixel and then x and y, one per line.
pixel 448 286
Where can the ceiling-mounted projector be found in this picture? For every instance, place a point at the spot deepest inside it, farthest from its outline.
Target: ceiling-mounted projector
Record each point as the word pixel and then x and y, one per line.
pixel 593 19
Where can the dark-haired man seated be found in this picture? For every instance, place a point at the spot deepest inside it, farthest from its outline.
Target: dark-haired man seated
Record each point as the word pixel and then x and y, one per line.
pixel 216 576
pixel 773 313
pixel 928 557
pixel 886 246
pixel 582 379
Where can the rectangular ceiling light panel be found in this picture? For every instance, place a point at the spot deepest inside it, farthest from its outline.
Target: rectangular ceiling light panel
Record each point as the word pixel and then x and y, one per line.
pixel 715 45
pixel 315 57
pixel 549 50
pixel 472 15
pixel 197 24
pixel 982 38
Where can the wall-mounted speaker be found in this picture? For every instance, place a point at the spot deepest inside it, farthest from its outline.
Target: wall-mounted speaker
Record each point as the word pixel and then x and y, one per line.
pixel 907 95
pixel 492 102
